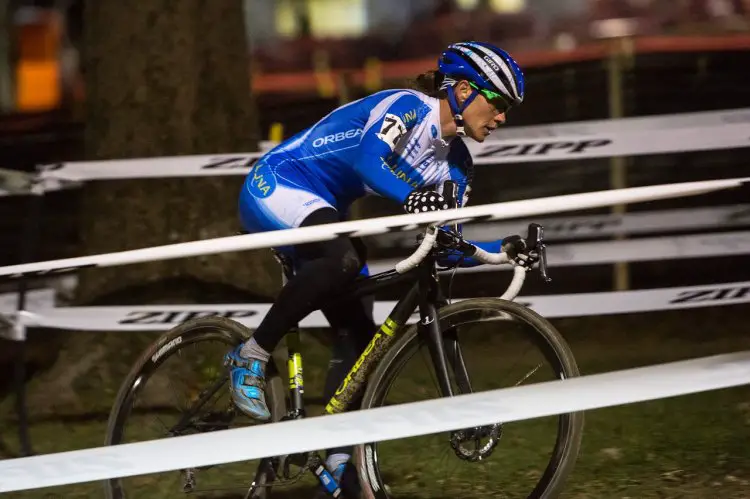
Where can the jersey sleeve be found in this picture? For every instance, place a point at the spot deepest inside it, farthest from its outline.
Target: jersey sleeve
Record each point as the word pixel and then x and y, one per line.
pixel 386 128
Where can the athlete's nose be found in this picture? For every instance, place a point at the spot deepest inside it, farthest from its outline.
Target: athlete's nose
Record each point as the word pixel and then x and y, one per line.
pixel 499 119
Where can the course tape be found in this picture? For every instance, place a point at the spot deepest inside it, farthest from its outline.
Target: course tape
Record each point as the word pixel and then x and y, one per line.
pixel 705 119
pixel 36 299
pixel 570 140
pixel 374 226
pixel 379 424
pixel 631 143
pixel 501 151
pixel 629 250
pixel 595 226
pixel 165 317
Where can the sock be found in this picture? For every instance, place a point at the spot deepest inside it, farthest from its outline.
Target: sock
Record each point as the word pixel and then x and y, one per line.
pixel 251 350
pixel 334 461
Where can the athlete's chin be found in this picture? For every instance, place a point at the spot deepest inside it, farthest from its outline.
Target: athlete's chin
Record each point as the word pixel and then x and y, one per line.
pixel 479 137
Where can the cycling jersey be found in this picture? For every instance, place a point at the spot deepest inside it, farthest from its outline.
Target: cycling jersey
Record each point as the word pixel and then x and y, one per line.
pixel 386 144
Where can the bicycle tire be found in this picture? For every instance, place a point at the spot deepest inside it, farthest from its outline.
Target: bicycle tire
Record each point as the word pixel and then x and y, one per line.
pixel 568 442
pixel 189 332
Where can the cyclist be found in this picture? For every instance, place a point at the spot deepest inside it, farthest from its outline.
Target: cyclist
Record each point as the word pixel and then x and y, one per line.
pixel 401 144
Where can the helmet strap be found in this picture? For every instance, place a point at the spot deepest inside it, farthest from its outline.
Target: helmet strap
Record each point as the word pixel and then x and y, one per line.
pixel 457 110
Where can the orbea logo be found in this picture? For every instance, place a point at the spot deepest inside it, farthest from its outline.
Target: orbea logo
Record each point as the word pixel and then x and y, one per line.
pixel 337 137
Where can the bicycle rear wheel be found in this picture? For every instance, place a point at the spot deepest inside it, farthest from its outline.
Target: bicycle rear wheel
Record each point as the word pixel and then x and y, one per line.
pixel 150 405
pixel 485 338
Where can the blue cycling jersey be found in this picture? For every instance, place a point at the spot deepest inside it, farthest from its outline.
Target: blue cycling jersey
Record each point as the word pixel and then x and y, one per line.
pixel 386 144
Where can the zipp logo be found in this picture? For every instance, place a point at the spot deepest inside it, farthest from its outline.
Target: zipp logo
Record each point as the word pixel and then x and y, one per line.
pixel 337 137
pixel 542 149
pixel 707 295
pixel 178 317
pixel 225 163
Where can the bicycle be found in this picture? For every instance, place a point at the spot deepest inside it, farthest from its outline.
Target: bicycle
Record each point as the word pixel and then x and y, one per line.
pixel 377 369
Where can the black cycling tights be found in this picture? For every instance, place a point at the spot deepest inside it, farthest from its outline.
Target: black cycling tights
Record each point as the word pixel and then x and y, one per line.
pixel 322 268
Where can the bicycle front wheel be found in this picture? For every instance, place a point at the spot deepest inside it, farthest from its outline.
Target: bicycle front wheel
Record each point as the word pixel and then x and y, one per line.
pixel 490 343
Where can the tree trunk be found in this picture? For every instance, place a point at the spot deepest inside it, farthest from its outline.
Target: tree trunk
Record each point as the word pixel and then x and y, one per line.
pixel 162 78
pixel 166 78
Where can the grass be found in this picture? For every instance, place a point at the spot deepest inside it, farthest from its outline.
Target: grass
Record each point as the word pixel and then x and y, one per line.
pixel 693 446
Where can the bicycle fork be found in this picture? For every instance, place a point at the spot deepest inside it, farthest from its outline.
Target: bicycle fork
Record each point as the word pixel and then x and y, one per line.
pixel 443 345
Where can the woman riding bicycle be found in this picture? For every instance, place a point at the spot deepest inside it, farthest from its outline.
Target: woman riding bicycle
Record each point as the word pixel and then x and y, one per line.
pixel 400 144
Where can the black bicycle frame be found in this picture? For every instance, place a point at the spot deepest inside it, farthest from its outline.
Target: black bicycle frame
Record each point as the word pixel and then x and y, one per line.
pixel 424 295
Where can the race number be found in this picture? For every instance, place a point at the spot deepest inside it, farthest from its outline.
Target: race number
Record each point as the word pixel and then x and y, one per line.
pixel 392 130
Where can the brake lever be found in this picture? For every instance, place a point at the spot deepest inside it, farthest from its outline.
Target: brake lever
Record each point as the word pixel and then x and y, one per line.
pixel 536 234
pixel 543 263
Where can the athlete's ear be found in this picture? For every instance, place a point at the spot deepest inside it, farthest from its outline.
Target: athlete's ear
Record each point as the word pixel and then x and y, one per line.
pixel 462 89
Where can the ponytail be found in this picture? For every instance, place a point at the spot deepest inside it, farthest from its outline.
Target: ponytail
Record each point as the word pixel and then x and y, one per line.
pixel 429 83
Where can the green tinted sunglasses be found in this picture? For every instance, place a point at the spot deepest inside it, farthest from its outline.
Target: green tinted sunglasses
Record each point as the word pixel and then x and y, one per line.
pixel 494 98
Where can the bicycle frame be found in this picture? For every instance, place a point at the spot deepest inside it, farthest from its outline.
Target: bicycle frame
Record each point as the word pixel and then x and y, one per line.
pixel 420 271
pixel 424 294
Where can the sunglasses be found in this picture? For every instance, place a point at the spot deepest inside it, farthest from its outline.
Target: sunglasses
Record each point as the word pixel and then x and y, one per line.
pixel 494 98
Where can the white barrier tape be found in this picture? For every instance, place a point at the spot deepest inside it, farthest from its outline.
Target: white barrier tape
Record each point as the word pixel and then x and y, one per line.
pixel 379 424
pixel 159 167
pixel 165 317
pixel 627 141
pixel 561 229
pixel 629 250
pixel 373 226
pixel 706 119
pixel 559 255
pixel 36 299
pixel 632 143
pixel 582 226
pixel 50 185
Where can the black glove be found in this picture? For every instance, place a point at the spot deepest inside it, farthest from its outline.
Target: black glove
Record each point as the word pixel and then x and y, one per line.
pixel 421 201
pixel 518 250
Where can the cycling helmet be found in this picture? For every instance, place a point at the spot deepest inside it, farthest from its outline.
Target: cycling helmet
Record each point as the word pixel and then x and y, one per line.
pixel 488 69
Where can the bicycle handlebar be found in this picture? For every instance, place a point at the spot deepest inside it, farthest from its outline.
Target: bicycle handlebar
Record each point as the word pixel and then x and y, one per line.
pixel 534 242
pixel 420 253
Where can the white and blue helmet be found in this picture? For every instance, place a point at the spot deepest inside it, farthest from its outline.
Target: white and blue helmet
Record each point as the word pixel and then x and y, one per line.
pixel 490 71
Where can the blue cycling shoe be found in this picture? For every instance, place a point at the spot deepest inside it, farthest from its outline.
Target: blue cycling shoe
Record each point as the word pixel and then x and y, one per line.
pixel 247 384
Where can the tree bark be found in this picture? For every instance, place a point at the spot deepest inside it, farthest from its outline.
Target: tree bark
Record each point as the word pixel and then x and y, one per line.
pixel 162 78
pixel 166 78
